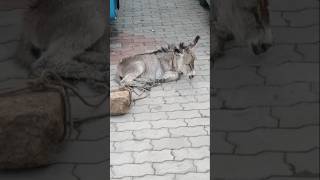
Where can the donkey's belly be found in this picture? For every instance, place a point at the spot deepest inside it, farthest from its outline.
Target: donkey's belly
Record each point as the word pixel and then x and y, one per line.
pixel 153 70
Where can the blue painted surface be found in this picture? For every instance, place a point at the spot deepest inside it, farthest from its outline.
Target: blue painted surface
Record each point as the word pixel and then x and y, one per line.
pixel 113 9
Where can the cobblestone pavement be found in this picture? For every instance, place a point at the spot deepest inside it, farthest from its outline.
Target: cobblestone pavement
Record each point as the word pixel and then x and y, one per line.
pixel 85 154
pixel 266 108
pixel 165 136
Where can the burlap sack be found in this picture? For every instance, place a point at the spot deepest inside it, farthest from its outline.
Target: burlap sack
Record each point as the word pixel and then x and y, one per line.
pixel 31 125
pixel 120 102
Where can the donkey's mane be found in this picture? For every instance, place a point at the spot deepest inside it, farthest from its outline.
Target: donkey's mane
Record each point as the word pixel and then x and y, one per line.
pixel 169 48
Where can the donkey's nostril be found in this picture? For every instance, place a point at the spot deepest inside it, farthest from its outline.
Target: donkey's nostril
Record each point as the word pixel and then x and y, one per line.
pixel 265 46
pixel 191 76
pixel 255 49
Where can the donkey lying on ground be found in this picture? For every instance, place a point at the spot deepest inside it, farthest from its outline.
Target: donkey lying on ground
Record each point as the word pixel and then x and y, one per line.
pixel 68 37
pixel 244 20
pixel 163 65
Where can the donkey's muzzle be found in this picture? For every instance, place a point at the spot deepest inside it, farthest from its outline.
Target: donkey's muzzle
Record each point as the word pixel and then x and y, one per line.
pixel 260 48
pixel 191 76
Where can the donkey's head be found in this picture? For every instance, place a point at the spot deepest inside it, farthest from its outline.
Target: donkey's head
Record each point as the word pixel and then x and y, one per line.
pixel 253 24
pixel 186 57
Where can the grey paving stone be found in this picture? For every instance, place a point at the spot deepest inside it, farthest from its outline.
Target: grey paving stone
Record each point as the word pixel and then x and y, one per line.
pixel 79 110
pixel 260 140
pixel 294 178
pixel 82 152
pixel 132 170
pixel 129 126
pixel 154 177
pixel 91 171
pixel 121 158
pixel 121 136
pixel 305 162
pixel 133 145
pixel 293 35
pixel 220 144
pixel 153 156
pixel 178 167
pixel 193 176
pixel 267 96
pixel 151 133
pixel 153 116
pixel 282 5
pixel 298 115
pixel 242 76
pixel 290 72
pixel 168 123
pixel 187 131
pixel 170 143
pixel 11 33
pixel 11 70
pixel 302 18
pixel 94 129
pixel 250 167
pixel 184 114
pixel 276 19
pixel 13 17
pixel 243 119
pixel 310 52
pixel 200 141
pixel 203 165
pixel 243 57
pixel 54 172
pixel 8 50
pixel 191 153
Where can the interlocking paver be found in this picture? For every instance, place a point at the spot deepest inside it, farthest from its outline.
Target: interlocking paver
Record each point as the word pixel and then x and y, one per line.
pixel 202 165
pixel 178 167
pixel 151 133
pixel 199 141
pixel 132 145
pixel 153 177
pixel 132 170
pixel 187 131
pixel 193 176
pixel 301 139
pixel 250 167
pixel 121 158
pixel 305 162
pixel 191 153
pixel 170 143
pixel 153 156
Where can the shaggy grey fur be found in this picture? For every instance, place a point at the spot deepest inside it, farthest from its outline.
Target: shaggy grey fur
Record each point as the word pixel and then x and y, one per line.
pixel 68 37
pixel 163 65
pixel 244 20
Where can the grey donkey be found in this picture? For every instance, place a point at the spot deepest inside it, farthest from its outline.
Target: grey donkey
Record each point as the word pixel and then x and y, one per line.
pixel 243 20
pixel 68 37
pixel 163 65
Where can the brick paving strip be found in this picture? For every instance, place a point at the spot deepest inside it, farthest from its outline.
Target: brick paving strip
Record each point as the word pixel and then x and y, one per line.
pixel 165 136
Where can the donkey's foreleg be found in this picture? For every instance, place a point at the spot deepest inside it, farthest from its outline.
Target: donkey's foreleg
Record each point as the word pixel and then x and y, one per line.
pixel 170 76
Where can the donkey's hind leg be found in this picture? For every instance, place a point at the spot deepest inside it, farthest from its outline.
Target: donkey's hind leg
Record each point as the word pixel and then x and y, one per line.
pixel 134 72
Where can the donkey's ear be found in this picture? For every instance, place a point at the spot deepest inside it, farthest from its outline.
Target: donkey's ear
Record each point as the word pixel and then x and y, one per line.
pixel 177 50
pixel 195 41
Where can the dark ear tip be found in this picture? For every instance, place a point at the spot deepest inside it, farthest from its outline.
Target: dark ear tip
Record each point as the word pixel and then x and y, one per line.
pixel 196 39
